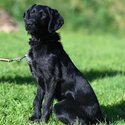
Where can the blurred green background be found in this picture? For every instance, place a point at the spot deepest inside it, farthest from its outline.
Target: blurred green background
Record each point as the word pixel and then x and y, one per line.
pixel 88 15
pixel 93 37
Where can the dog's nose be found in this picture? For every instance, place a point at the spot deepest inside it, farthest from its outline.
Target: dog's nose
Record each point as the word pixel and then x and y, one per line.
pixel 29 23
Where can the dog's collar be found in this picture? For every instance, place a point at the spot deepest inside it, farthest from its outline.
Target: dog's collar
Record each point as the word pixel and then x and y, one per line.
pixel 33 41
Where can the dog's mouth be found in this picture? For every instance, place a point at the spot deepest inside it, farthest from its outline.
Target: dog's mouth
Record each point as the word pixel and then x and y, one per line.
pixel 30 27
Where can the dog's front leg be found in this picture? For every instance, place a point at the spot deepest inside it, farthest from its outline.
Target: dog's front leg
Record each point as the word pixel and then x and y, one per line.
pixel 37 104
pixel 48 100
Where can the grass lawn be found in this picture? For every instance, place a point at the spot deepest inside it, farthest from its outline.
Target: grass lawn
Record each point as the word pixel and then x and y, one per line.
pixel 101 58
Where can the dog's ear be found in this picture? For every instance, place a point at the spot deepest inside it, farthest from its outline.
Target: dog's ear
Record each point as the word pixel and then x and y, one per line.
pixel 56 20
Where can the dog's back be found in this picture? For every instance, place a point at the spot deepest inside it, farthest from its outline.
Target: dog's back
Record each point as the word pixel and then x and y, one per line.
pixel 78 98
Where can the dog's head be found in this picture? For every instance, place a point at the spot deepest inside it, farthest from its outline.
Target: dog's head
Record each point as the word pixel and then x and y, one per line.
pixel 42 19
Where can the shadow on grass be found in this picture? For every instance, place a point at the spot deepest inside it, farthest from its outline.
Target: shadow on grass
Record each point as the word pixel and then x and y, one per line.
pixel 115 112
pixel 17 79
pixel 90 75
pixel 96 74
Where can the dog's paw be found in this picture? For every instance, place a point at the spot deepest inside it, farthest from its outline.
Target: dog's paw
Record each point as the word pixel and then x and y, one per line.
pixel 34 119
pixel 44 119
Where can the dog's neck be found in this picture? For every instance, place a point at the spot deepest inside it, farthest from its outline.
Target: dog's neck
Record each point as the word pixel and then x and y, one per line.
pixel 37 40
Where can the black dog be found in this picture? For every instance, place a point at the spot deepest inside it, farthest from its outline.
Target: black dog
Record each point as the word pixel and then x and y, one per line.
pixel 56 75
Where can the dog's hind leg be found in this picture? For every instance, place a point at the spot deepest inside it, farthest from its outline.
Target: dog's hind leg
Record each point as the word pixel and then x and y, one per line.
pixel 66 111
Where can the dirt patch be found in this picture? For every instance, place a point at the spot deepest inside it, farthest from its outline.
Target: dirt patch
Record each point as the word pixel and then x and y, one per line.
pixel 7 23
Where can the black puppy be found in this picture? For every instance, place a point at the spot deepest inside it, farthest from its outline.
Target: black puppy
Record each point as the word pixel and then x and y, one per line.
pixel 56 75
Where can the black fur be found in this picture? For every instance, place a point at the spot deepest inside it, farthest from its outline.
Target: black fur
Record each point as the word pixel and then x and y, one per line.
pixel 56 75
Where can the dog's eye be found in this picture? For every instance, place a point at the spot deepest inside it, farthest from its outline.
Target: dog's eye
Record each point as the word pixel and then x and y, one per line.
pixel 33 11
pixel 43 14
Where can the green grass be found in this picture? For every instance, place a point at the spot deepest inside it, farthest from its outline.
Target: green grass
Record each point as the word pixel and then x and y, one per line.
pixel 101 58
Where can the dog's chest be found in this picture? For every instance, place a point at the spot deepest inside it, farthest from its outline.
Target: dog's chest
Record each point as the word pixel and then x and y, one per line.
pixel 38 62
pixel 29 57
pixel 34 56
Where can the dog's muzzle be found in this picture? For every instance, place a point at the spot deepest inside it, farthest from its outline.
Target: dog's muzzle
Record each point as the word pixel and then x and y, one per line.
pixel 28 24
